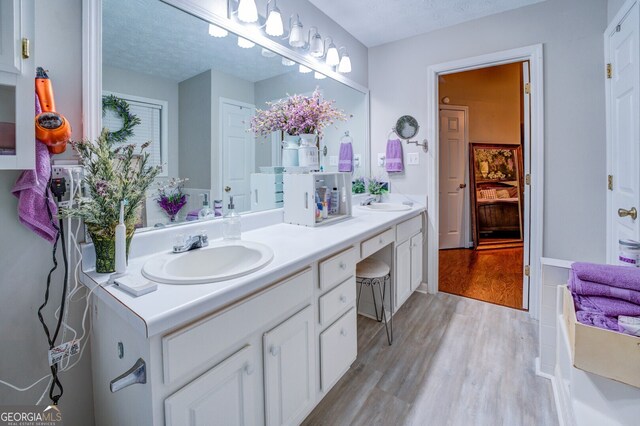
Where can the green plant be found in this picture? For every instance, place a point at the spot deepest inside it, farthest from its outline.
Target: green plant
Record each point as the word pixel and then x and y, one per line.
pixel 358 186
pixel 377 187
pixel 112 175
pixel 121 108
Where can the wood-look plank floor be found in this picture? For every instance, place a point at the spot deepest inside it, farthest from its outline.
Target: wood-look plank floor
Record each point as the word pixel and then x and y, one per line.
pixel 493 276
pixel 454 361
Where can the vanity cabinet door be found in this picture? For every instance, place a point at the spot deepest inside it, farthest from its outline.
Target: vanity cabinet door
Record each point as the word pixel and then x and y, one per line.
pixel 226 395
pixel 403 272
pixel 416 261
pixel 289 370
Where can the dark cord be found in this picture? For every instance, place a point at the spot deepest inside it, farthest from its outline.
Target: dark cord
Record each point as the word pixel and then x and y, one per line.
pixel 59 236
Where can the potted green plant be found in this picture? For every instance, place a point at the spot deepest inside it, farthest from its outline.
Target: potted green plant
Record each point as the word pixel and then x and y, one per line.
pixel 112 175
pixel 377 188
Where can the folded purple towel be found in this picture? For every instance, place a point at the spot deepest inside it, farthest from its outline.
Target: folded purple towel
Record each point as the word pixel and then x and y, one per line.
pixel 606 305
pixel 616 276
pixel 597 320
pixel 394 159
pixel 588 288
pixel 345 161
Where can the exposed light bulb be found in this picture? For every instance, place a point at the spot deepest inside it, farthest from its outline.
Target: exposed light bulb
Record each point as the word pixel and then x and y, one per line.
pixel 303 69
pixel 288 62
pixel 274 26
pixel 345 64
pixel 316 44
pixel 333 57
pixel 244 43
pixel 296 35
pixel 319 76
pixel 247 11
pixel 267 53
pixel 216 31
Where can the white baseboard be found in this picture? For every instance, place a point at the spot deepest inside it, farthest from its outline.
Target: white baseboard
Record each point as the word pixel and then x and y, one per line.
pixel 422 288
pixel 561 409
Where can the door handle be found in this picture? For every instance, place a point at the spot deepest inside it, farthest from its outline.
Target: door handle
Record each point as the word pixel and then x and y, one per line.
pixel 227 189
pixel 631 212
pixel 462 185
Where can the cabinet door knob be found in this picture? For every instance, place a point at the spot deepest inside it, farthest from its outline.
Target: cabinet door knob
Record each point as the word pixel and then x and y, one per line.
pixel 632 212
pixel 381 240
pixel 343 265
pixel 343 298
pixel 343 332
pixel 275 351
pixel 248 369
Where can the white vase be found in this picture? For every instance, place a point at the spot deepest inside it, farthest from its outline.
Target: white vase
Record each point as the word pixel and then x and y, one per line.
pixel 308 155
pixel 290 146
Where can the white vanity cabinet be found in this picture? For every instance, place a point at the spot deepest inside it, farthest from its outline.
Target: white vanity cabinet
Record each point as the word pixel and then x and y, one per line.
pixel 17 73
pixel 408 258
pixel 289 370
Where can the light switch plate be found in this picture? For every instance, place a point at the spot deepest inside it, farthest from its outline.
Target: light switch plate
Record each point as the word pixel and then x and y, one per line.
pixel 413 158
pixel 333 160
pixel 381 157
pixel 357 160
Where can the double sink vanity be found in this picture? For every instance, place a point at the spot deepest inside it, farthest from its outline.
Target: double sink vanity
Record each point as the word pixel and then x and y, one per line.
pixel 262 344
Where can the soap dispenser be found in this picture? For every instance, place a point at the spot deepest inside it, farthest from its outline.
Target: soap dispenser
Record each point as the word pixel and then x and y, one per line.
pixel 231 226
pixel 205 212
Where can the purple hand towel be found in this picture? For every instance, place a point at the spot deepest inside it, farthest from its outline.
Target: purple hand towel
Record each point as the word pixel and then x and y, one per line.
pixel 606 306
pixel 616 276
pixel 394 162
pixel 597 320
pixel 345 161
pixel 588 288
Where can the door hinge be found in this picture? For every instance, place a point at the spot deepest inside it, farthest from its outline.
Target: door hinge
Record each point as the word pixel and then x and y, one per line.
pixel 26 50
pixel 609 71
pixel 527 270
pixel 527 88
pixel 527 179
pixel 618 28
pixel 610 182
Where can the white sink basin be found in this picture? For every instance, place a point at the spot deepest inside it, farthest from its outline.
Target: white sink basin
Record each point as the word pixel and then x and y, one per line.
pixel 386 207
pixel 217 262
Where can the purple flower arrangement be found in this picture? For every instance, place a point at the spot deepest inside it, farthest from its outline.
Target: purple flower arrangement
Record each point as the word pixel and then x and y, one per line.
pixel 297 115
pixel 171 198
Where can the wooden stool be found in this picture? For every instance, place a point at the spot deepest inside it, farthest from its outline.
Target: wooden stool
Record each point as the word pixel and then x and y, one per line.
pixel 376 273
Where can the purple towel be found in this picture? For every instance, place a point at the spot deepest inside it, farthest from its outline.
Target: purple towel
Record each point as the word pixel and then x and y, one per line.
pixel 606 305
pixel 588 288
pixel 31 189
pixel 597 320
pixel 393 162
pixel 616 276
pixel 345 162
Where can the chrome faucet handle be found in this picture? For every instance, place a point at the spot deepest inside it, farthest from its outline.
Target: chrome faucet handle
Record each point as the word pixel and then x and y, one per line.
pixel 136 374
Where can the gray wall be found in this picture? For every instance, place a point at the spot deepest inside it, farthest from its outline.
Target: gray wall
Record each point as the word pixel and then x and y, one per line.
pixel 26 258
pixel 571 31
pixel 136 84
pixel 612 8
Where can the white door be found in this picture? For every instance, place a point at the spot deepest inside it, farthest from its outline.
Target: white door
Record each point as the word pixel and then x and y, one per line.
pixel 624 139
pixel 526 142
pixel 453 182
pixel 238 152
pixel 289 370
pixel 224 395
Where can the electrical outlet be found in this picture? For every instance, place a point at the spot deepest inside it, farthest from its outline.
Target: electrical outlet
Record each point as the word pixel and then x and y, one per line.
pixel 381 157
pixel 357 160
pixel 333 160
pixel 413 159
pixel 71 172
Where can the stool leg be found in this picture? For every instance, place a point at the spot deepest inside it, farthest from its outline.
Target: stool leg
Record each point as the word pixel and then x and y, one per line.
pixel 384 314
pixel 388 280
pixel 358 299
pixel 375 304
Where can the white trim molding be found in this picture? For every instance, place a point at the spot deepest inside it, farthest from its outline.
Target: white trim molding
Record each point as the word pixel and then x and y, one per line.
pixel 533 54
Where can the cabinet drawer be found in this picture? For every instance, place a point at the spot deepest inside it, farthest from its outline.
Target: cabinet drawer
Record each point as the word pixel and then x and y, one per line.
pixel 338 349
pixel 374 244
pixel 338 268
pixel 408 228
pixel 193 348
pixel 337 301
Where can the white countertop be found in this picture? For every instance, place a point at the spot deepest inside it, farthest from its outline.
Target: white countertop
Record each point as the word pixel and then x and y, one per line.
pixel 294 248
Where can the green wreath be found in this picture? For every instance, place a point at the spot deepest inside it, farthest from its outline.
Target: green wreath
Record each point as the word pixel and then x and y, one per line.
pixel 121 108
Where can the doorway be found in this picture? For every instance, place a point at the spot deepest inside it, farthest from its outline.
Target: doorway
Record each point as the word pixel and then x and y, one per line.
pixel 532 169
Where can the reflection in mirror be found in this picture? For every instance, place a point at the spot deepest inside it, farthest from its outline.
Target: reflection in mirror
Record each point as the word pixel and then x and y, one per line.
pixel 194 96
pixel 7 120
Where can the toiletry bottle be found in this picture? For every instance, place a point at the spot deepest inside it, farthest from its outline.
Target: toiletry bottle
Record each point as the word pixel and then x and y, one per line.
pixel 205 212
pixel 231 226
pixel 318 204
pixel 335 201
pixel 121 243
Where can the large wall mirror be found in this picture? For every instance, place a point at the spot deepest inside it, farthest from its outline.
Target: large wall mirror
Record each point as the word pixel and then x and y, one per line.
pixel 194 95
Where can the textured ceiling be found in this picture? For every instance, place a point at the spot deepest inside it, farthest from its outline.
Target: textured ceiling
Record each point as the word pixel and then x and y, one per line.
pixel 151 37
pixel 375 22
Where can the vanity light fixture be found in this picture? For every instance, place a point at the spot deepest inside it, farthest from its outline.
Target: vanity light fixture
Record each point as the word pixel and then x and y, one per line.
pixel 333 57
pixel 267 53
pixel 316 44
pixel 303 69
pixel 288 62
pixel 216 31
pixel 274 26
pixel 319 76
pixel 296 35
pixel 247 11
pixel 244 43
pixel 345 62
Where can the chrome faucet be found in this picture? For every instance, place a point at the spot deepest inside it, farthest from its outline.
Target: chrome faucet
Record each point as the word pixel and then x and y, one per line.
pixel 192 242
pixel 368 201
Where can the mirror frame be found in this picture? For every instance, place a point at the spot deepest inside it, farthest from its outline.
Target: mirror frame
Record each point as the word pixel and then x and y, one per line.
pixel 92 64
